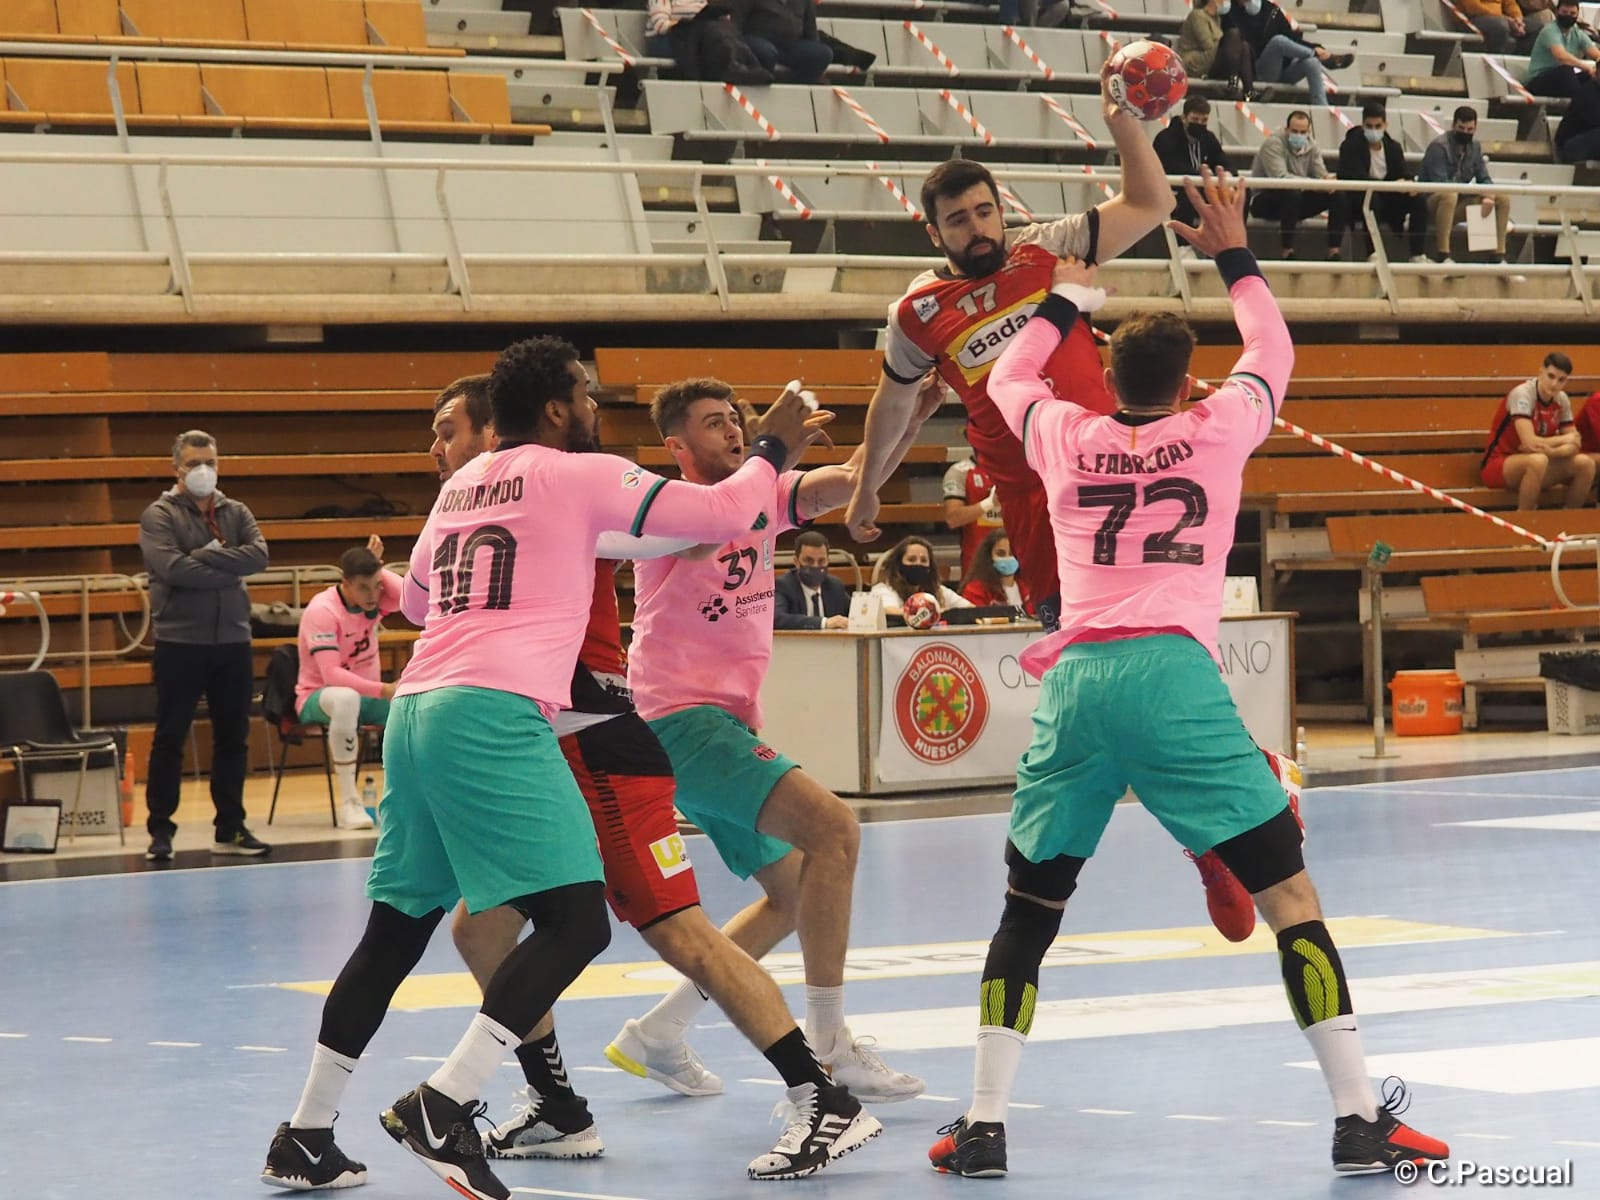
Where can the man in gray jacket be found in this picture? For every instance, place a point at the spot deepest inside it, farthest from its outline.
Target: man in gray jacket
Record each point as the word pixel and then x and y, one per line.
pixel 1456 156
pixel 1291 153
pixel 198 546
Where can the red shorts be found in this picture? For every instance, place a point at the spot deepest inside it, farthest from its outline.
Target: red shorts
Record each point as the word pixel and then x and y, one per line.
pixel 626 777
pixel 1494 471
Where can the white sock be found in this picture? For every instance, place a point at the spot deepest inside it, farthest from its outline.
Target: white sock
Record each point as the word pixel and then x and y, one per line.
pixel 475 1059
pixel 1337 1044
pixel 994 1071
pixel 824 1017
pixel 669 1020
pixel 344 776
pixel 330 1075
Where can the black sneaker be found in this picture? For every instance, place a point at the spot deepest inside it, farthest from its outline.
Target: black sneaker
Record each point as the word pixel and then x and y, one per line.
pixel 976 1151
pixel 1338 62
pixel 824 1124
pixel 160 848
pixel 441 1133
pixel 1360 1145
pixel 545 1128
pixel 242 842
pixel 307 1160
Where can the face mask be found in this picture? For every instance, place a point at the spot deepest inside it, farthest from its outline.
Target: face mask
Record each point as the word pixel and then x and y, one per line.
pixel 1194 129
pixel 1375 136
pixel 1460 138
pixel 1566 22
pixel 200 481
pixel 1007 566
pixel 1252 6
pixel 918 577
pixel 1299 141
pixel 812 577
pixel 1224 8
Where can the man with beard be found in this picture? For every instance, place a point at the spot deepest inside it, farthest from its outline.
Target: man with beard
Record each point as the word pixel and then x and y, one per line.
pixel 702 640
pixel 542 383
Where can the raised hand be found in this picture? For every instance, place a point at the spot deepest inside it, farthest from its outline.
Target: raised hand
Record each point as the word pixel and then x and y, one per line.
pixel 1219 205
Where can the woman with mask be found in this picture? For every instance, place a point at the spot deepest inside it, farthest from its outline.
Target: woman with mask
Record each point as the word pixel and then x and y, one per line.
pixel 992 578
pixel 907 568
pixel 1282 53
pixel 1211 50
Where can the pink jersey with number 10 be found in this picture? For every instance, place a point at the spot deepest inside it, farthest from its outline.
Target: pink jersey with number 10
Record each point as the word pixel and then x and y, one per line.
pixel 1143 508
pixel 508 555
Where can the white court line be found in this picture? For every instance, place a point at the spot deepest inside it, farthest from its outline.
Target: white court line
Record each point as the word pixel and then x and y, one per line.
pixel 764 1082
pixel 98 1041
pixel 533 1191
pixel 177 1045
pixel 1485 1137
pixel 169 872
pixel 1192 1117
pixel 1107 1112
pixel 422 1058
pixel 1291 1124
pixel 599 1070
pixel 265 1049
pixel 1585 1145
pixel 13 1035
pixel 1354 787
pixel 1488 795
pixel 1014 1104
pixel 936 1099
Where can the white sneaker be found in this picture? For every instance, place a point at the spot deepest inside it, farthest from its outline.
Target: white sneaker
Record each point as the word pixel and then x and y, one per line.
pixel 672 1063
pixel 856 1065
pixel 353 815
pixel 820 1125
pixel 543 1128
pixel 1421 258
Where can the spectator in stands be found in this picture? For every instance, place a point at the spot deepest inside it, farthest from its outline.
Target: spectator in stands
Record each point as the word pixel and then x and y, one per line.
pixel 970 506
pixel 1563 63
pixel 341 683
pixel 704 40
pixel 1211 50
pixel 1587 424
pixel 1535 442
pixel 908 568
pixel 784 33
pixel 1500 22
pixel 198 546
pixel 1282 53
pixel 1457 157
pixel 1186 145
pixel 1575 141
pixel 1536 14
pixel 1291 153
pixel 1368 152
pixel 808 597
pixel 992 578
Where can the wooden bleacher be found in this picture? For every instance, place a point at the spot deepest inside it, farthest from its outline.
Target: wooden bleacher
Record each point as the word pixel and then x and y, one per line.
pixel 376 25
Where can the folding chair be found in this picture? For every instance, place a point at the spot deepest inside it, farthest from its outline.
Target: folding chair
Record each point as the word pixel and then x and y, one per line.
pixel 278 707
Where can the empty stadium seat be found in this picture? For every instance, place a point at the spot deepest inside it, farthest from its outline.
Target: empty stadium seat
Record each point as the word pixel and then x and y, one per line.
pixel 27 18
pixel 69 91
pixel 411 100
pixel 396 23
pixel 273 97
pixel 187 20
pixel 89 18
pixel 306 22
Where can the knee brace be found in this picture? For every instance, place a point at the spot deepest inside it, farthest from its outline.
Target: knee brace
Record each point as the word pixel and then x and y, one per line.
pixel 1054 879
pixel 1011 973
pixel 343 706
pixel 1266 855
pixel 570 929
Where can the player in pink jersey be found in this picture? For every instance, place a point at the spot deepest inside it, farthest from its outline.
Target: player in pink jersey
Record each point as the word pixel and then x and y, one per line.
pixel 1142 503
pixel 702 639
pixel 340 684
pixel 479 802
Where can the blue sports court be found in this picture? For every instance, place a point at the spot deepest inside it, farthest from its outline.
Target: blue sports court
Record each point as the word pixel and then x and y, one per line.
pixel 156 1026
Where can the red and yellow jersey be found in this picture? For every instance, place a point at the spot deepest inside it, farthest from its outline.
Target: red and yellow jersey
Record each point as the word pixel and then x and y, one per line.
pixel 602 641
pixel 1588 423
pixel 960 324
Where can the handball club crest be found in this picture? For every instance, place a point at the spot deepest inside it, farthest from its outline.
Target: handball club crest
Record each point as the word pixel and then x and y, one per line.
pixel 940 705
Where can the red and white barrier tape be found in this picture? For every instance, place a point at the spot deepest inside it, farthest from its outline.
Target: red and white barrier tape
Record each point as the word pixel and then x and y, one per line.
pixel 1072 122
pixel 1108 10
pixel 1016 40
pixel 961 111
pixel 912 210
pixel 784 190
pixel 1010 198
pixel 849 102
pixel 1462 17
pixel 1109 191
pixel 1494 65
pixel 1339 115
pixel 1431 123
pixel 1249 114
pixel 926 43
pixel 752 111
pixel 593 20
pixel 1112 44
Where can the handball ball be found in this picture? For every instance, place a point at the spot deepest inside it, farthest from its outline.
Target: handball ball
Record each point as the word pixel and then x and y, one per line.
pixel 921 611
pixel 1147 79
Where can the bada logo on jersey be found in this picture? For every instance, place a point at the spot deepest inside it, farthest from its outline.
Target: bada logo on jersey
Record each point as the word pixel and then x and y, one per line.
pixel 979 349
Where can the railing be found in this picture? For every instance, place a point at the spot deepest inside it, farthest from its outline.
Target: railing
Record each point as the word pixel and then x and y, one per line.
pixel 1568 200
pixel 83 586
pixel 1561 547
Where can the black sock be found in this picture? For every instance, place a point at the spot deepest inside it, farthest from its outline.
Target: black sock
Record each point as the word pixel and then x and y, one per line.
pixel 544 1070
pixel 796 1061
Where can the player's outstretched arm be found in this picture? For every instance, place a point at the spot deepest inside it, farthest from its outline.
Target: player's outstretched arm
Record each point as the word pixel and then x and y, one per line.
pixel 828 488
pixel 1017 382
pixel 1219 203
pixel 1145 200
pixel 889 416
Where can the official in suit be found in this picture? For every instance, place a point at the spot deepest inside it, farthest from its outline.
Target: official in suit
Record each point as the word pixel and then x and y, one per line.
pixel 809 597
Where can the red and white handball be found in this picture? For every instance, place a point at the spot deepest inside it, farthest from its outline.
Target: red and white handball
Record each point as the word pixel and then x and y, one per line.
pixel 1147 79
pixel 921 611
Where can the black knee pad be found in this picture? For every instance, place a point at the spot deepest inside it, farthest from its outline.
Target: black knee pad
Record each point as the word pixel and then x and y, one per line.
pixel 1266 855
pixel 576 913
pixel 1010 984
pixel 1054 879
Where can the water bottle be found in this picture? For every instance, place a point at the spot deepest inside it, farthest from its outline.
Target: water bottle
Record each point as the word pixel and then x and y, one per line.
pixel 369 797
pixel 1300 752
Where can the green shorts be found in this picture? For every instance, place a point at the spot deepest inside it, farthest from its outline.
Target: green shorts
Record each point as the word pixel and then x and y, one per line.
pixel 1150 713
pixel 374 710
pixel 478 803
pixel 725 774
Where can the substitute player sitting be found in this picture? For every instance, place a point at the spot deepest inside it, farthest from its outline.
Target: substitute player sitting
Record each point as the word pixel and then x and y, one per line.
pixel 1142 503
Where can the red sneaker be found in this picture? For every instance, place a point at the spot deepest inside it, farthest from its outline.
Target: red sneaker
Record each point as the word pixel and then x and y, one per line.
pixel 1232 911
